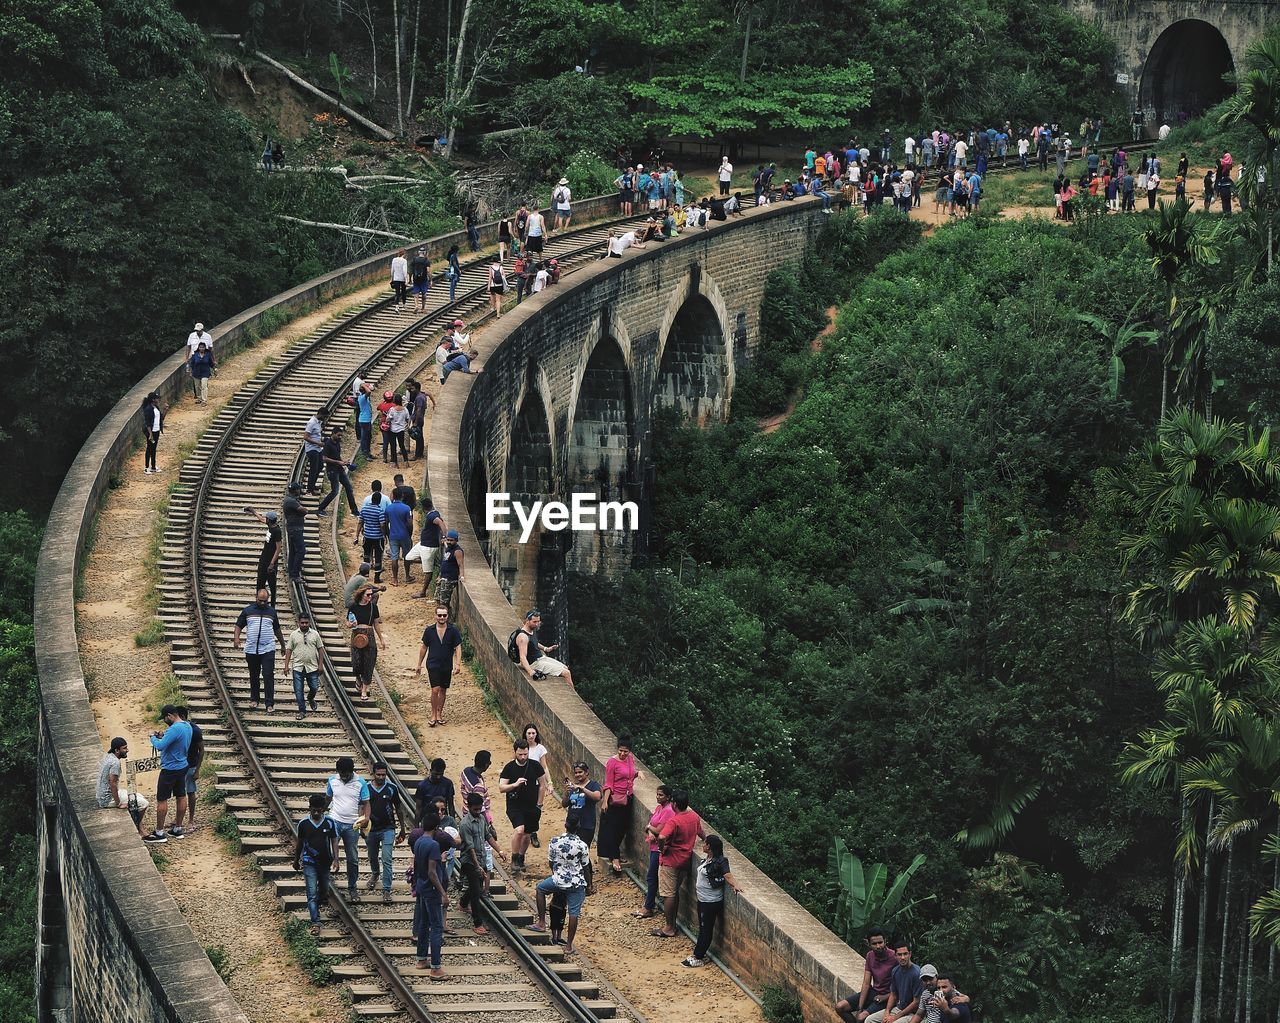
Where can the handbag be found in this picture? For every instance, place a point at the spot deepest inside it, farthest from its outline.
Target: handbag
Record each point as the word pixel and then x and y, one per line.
pixel 359 640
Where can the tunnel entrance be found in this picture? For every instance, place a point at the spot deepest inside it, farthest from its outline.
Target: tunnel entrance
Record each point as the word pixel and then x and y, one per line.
pixel 600 456
pixel 694 375
pixel 1183 73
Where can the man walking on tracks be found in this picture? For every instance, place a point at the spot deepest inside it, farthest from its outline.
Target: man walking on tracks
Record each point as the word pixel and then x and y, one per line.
pixel 315 854
pixel 372 528
pixel 269 556
pixel 348 807
pixel 433 900
pixel 313 448
pixel 260 627
pixel 295 519
pixel 303 654
pixel 337 467
pixel 384 817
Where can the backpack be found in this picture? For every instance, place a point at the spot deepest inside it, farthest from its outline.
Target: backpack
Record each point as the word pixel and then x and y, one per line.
pixel 559 196
pixel 715 869
pixel 497 279
pixel 513 651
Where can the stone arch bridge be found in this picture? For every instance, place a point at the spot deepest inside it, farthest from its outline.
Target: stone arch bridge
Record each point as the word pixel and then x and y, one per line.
pixel 568 397
pixel 1172 54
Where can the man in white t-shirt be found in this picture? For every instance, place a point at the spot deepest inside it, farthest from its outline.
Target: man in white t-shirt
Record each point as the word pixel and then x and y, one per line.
pixel 1024 147
pixel 962 150
pixel 909 144
pixel 540 279
pixel 560 200
pixel 624 241
pixel 195 337
pixel 349 809
pixel 725 175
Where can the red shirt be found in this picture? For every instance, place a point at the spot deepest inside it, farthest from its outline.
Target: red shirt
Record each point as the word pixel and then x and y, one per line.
pixel 681 833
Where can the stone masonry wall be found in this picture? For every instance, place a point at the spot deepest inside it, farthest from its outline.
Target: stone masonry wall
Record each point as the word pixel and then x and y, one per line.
pixel 544 346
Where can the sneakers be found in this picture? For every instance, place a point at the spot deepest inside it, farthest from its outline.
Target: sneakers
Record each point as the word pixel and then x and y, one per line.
pixel 695 963
pixel 353 896
pixel 386 898
pixel 533 841
pixel 311 700
pixel 372 883
pixel 147 472
pixel 176 833
pixel 155 838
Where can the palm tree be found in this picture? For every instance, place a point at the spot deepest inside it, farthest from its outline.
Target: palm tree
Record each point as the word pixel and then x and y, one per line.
pixel 1176 243
pixel 1119 340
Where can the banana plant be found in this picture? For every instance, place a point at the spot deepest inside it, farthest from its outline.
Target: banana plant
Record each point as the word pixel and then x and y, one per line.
pixel 864 896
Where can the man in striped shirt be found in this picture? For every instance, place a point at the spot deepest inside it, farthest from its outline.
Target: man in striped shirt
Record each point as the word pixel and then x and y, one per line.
pixel 371 527
pixel 260 629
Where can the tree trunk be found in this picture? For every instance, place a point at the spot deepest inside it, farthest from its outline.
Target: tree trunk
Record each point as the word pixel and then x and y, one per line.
pixel 413 69
pixel 395 25
pixel 1201 920
pixel 746 47
pixel 377 129
pixel 1241 955
pixel 1179 916
pixel 455 82
pixel 1222 952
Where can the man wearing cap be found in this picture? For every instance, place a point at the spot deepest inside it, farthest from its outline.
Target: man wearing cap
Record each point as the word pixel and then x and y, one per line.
pixel 420 277
pixel 172 745
pixel 109 794
pixel 933 1004
pixel 195 338
pixel 451 562
pixel 295 518
pixel 269 557
pixel 527 639
pixel 905 989
pixel 561 198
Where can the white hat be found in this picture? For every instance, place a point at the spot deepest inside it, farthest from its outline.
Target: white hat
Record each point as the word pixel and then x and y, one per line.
pixel 199 326
pixel 563 181
pixel 929 970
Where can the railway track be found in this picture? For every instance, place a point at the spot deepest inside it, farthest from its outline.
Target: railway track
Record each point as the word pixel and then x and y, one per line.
pixel 268 765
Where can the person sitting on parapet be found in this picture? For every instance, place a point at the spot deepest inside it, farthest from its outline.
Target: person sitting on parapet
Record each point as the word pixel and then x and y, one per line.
pixel 619 243
pixel 109 794
pixel 525 640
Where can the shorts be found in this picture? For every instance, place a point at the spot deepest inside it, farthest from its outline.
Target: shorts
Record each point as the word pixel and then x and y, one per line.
pixel 942 195
pixel 654 204
pixel 527 819
pixel 440 678
pixel 626 195
pixel 669 880
pixel 548 666
pixel 171 783
pixel 421 289
pixel 562 211
pixel 427 555
pixel 397 549
pixel 191 780
pixel 497 291
pixel 573 897
pixel 534 244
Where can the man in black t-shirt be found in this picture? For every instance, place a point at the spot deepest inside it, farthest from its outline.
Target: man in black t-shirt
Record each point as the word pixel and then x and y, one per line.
pixel 315 854
pixel 521 781
pixel 269 557
pixel 295 519
pixel 384 819
pixel 336 467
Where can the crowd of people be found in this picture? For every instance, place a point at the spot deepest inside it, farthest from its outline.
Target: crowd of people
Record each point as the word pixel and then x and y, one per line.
pixel 895 990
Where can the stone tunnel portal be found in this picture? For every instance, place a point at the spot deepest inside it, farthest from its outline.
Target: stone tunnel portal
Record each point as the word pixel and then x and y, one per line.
pixel 601 459
pixel 694 375
pixel 532 573
pixel 1183 74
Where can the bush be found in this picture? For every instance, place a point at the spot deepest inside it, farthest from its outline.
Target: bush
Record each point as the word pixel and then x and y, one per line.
pixel 306 951
pixel 780 1005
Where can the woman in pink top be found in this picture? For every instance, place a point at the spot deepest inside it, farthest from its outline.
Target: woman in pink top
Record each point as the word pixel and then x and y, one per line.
pixel 661 815
pixel 620 776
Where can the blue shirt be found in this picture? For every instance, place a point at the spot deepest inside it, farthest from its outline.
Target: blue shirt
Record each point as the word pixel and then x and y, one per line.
pixel 430 536
pixel 905 985
pixel 365 409
pixel 426 853
pixel 173 746
pixel 372 516
pixel 399 518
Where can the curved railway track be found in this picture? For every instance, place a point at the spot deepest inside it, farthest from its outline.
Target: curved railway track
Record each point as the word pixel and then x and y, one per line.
pixel 268 765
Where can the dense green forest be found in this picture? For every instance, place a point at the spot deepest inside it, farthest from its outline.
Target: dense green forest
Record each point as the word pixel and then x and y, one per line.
pixel 914 590
pixel 977 599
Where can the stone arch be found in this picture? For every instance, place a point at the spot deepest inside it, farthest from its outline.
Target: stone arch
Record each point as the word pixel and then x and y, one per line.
pixel 1183 71
pixel 532 573
pixel 602 455
pixel 695 353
